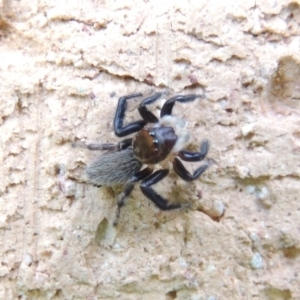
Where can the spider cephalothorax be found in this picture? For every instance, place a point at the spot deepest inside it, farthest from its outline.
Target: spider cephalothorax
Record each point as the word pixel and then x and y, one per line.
pixel 152 145
pixel 155 140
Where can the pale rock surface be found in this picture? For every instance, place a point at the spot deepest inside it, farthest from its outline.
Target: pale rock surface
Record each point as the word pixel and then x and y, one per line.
pixel 63 66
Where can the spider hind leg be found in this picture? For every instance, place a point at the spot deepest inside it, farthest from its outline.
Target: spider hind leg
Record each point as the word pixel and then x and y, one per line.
pixel 128 189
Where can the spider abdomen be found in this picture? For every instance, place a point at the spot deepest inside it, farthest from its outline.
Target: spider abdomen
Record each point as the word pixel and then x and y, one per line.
pixel 113 168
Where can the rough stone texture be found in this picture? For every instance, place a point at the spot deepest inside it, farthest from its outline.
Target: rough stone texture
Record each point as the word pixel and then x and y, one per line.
pixel 63 66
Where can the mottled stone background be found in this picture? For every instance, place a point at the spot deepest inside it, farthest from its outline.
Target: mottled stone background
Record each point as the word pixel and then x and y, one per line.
pixel 64 64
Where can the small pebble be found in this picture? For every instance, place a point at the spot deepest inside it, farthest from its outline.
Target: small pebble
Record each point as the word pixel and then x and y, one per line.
pixel 262 193
pixel 27 259
pixel 217 209
pixel 50 57
pixel 254 237
pixel 250 189
pixel 247 129
pixel 256 261
pixel 68 187
pixel 182 262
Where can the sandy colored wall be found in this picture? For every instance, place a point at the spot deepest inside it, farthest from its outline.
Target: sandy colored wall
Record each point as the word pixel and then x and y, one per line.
pixel 64 64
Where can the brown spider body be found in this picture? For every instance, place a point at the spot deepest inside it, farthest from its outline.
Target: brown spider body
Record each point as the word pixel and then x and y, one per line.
pixel 152 145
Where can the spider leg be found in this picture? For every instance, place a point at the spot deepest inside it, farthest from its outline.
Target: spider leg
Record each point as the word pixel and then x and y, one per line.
pixel 119 128
pixel 195 156
pixel 158 200
pixel 180 169
pixel 108 146
pixel 128 189
pixel 147 115
pixel 168 106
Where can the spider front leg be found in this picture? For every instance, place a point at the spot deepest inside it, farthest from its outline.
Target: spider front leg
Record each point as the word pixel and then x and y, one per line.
pixel 119 128
pixel 158 200
pixel 180 169
pixel 147 115
pixel 168 106
pixel 195 156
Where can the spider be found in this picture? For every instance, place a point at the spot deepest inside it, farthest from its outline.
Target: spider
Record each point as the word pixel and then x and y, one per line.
pixel 156 140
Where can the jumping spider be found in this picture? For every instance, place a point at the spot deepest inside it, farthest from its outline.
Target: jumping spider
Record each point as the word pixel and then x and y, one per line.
pixel 155 141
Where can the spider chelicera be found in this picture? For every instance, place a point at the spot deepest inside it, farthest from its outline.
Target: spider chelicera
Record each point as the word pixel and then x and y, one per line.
pixel 156 140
